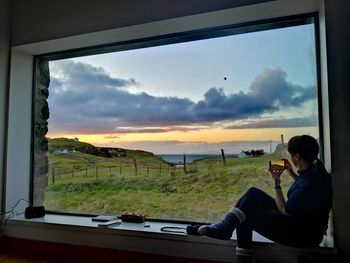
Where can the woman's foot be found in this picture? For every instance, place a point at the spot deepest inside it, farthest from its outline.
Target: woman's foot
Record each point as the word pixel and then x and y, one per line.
pixel 215 231
pixel 244 255
pixel 193 229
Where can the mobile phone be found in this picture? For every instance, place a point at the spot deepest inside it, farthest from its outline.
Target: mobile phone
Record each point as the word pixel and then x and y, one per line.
pixel 277 165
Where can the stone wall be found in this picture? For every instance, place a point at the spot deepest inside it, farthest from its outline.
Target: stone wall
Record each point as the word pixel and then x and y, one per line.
pixel 41 111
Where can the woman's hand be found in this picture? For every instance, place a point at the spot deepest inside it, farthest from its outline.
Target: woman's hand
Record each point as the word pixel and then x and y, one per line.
pixel 276 174
pixel 289 168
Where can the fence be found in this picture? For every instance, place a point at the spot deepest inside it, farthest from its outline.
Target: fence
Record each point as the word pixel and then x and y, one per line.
pixel 57 172
pixel 131 168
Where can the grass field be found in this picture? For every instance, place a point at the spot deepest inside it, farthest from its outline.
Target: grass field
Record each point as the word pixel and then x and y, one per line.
pixel 204 193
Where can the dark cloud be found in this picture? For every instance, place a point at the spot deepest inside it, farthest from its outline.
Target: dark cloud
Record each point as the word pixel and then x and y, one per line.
pixel 86 99
pixel 269 92
pixel 278 123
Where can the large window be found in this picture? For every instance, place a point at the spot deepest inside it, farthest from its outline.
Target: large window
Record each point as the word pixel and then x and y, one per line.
pixel 176 127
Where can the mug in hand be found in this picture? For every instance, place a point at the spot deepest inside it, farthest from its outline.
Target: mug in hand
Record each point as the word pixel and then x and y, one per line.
pixel 277 165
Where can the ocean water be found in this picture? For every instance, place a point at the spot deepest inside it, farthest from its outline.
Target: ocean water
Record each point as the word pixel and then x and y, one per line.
pixel 179 158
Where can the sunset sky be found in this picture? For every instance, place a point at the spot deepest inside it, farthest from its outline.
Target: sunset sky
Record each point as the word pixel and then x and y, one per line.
pixel 192 97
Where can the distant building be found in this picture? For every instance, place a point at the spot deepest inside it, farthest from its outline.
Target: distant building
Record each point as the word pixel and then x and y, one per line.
pixel 60 152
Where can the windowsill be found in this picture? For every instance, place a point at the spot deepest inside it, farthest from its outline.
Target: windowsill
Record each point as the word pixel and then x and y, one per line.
pixel 124 228
pixel 81 230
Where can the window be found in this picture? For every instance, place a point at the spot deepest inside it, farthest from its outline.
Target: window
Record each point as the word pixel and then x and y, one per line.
pixel 177 126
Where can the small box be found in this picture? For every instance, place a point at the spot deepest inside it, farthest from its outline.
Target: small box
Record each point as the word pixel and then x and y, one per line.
pixel 133 217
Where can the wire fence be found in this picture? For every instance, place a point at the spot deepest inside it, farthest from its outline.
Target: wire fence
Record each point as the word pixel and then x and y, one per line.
pixel 63 172
pixel 57 173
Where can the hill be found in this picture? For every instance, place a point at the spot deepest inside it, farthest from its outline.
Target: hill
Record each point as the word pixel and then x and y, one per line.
pixel 71 145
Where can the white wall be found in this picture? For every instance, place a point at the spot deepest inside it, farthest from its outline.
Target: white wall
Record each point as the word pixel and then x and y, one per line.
pixel 338 51
pixel 4 54
pixel 40 20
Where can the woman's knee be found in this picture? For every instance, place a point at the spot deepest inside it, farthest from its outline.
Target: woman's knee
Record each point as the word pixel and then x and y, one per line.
pixel 252 196
pixel 254 191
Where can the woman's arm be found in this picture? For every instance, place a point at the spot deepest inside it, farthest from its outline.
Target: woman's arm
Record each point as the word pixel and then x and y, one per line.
pixel 280 201
pixel 279 197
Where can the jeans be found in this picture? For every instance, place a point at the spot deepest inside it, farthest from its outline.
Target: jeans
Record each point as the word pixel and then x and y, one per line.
pixel 263 216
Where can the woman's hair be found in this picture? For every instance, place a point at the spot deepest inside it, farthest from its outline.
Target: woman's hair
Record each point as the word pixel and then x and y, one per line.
pixel 307 148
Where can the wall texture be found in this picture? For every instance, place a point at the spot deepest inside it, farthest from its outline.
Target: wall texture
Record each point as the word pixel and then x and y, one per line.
pixel 4 53
pixel 338 43
pixel 69 18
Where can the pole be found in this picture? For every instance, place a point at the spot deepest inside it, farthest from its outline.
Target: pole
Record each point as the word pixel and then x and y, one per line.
pixel 185 168
pixel 223 157
pixel 135 168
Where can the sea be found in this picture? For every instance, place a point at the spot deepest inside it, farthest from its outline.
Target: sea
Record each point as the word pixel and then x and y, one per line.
pixel 179 158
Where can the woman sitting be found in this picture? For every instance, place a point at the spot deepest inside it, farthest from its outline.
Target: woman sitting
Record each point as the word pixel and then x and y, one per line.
pixel 301 221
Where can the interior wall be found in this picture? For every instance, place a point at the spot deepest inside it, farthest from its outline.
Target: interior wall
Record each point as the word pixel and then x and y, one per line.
pixel 66 18
pixel 4 53
pixel 69 18
pixel 338 52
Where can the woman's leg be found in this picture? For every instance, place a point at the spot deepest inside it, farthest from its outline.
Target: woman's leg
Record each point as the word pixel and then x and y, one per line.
pixel 265 219
pixel 253 200
pixel 252 203
pixel 244 233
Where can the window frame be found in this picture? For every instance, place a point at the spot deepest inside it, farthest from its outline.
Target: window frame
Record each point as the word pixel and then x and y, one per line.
pixel 182 37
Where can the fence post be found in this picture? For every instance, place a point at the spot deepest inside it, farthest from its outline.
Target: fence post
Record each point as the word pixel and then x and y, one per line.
pixel 223 157
pixel 96 171
pixel 135 168
pixel 185 168
pixel 53 175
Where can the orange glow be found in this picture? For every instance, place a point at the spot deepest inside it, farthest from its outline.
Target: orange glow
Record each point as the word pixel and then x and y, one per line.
pixel 205 135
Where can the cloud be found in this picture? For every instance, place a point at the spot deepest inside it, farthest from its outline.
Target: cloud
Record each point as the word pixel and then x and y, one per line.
pixel 277 123
pixel 111 137
pixel 86 99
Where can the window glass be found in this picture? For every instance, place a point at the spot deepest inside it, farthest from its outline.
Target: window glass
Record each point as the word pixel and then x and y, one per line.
pixel 177 131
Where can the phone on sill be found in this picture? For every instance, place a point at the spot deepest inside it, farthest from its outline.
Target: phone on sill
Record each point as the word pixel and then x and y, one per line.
pixel 103 218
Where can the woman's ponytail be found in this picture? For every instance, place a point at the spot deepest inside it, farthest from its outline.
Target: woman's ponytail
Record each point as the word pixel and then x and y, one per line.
pixel 319 167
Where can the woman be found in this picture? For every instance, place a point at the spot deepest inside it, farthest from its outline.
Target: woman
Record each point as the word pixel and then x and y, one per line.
pixel 301 221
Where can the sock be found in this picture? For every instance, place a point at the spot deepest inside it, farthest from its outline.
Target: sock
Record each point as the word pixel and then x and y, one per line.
pixel 224 229
pixel 244 255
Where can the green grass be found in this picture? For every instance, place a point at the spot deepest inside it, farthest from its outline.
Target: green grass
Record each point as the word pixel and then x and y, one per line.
pixel 204 193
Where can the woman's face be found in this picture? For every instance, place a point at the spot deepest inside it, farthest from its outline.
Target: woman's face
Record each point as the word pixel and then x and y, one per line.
pixel 295 159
